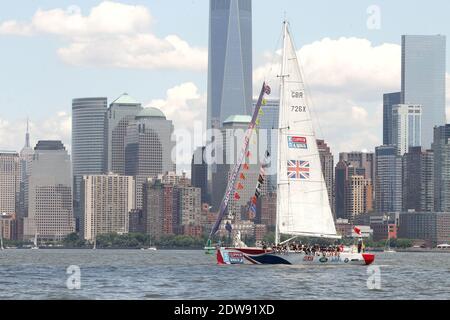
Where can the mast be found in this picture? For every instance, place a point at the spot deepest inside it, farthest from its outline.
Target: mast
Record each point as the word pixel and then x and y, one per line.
pixel 236 169
pixel 35 239
pixel 280 121
pixel 303 208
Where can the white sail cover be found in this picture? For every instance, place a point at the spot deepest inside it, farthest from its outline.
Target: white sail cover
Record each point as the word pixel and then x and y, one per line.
pixel 302 199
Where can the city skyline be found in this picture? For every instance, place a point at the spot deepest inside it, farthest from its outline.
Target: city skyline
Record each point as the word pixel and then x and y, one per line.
pixel 145 145
pixel 185 96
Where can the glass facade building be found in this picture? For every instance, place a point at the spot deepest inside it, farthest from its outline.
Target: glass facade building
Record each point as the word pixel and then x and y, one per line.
pixel 406 126
pixel 268 138
pixel 441 148
pixel 389 99
pixel 120 113
pixel 230 60
pixel 388 179
pixel 88 142
pixel 148 148
pixel 88 138
pixel 423 79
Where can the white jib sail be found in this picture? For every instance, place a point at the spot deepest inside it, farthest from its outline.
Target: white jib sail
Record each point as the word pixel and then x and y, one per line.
pixel 302 199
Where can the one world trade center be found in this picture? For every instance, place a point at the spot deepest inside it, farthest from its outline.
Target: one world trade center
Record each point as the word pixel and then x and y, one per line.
pixel 229 60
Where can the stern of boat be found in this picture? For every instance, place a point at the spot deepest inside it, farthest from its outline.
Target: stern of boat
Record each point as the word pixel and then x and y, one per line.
pixel 368 258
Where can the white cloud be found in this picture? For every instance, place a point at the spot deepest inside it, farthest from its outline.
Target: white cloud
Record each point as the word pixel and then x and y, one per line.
pixel 186 107
pixel 57 127
pixel 359 113
pixel 106 18
pixel 112 34
pixel 346 79
pixel 183 105
pixel 136 51
pixel 15 28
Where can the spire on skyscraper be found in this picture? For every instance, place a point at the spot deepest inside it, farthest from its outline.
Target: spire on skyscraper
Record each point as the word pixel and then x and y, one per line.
pixel 27 135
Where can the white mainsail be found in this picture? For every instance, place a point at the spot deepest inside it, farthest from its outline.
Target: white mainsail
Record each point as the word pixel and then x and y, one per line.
pixel 302 199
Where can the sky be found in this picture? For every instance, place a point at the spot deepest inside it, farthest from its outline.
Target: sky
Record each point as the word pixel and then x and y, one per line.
pixel 156 51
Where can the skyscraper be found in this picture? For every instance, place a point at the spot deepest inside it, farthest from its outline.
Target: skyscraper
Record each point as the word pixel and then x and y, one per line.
pixel 190 206
pixel 233 130
pixel 327 162
pixel 388 179
pixel 88 135
pixel 406 126
pixel 121 111
pixel 88 142
pixel 50 212
pixel 441 149
pixel 389 99
pixel 268 137
pixel 161 208
pixel 199 173
pixel 106 202
pixel 418 180
pixel 354 192
pixel 26 159
pixel 148 148
pixel 267 210
pixel 359 160
pixel 230 60
pixel 358 196
pixel 9 181
pixel 423 79
pixel 341 176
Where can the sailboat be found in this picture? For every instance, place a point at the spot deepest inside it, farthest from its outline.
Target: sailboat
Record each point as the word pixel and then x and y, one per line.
pixel 302 207
pixel 150 247
pixel 35 242
pixel 95 244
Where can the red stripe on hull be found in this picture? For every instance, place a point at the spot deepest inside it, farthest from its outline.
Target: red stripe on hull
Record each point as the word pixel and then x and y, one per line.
pixel 368 258
pixel 219 258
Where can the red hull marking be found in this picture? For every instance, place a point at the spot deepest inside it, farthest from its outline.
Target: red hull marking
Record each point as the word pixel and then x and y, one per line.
pixel 219 257
pixel 251 251
pixel 368 258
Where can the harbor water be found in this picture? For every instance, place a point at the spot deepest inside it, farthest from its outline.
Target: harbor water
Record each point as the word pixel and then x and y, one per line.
pixel 191 274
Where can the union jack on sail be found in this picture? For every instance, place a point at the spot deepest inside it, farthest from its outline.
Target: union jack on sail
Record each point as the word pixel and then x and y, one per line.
pixel 298 169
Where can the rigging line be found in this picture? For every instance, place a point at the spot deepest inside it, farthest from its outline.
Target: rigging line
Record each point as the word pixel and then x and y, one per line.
pixel 274 56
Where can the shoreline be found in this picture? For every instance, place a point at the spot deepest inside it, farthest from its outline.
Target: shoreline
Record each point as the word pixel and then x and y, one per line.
pixel 116 248
pixel 423 250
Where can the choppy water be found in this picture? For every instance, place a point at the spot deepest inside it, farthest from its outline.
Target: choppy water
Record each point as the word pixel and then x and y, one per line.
pixel 178 274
